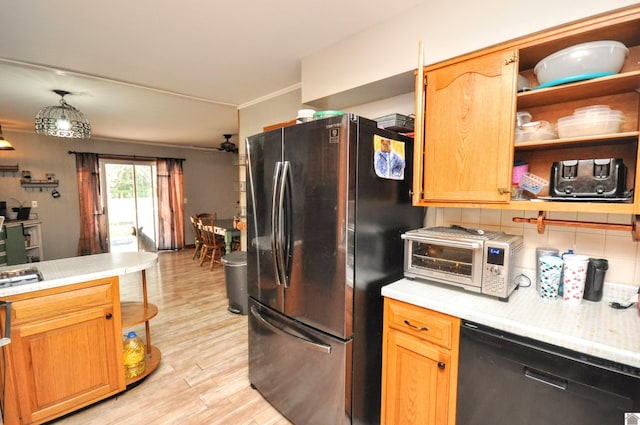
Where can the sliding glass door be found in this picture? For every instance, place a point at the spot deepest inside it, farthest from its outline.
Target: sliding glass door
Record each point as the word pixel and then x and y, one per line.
pixel 129 189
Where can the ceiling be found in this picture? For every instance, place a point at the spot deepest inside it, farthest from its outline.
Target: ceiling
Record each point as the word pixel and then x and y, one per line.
pixel 160 71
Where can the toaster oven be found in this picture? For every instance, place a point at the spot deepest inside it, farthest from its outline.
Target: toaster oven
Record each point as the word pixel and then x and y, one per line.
pixel 475 260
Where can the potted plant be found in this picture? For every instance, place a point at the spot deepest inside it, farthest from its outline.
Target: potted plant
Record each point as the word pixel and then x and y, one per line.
pixel 21 211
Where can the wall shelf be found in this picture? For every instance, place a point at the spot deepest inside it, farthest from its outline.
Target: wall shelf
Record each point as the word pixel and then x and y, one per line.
pixel 38 184
pixel 8 169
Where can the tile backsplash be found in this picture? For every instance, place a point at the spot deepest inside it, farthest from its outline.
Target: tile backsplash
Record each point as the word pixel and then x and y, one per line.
pixel 616 246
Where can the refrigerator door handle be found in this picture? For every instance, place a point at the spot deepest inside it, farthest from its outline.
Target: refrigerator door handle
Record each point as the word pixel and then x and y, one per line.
pixel 284 231
pixel 275 219
pixel 312 344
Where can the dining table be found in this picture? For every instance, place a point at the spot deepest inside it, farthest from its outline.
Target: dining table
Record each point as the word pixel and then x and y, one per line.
pixel 224 227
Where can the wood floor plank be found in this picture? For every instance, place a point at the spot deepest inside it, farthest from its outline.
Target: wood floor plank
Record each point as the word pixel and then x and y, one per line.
pixel 203 376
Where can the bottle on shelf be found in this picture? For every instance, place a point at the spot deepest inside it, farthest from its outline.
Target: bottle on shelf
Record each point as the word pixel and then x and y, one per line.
pixel 133 355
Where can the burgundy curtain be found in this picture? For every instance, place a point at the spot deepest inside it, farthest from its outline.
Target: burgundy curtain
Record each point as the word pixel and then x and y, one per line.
pixel 93 226
pixel 170 204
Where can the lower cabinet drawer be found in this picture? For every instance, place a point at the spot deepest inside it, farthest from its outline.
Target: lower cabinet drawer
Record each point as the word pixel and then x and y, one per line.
pixel 50 306
pixel 431 326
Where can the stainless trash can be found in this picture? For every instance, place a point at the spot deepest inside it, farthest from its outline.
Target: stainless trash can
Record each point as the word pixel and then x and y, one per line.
pixel 235 274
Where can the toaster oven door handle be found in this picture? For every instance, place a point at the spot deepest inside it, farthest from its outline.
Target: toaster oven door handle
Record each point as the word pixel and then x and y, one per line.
pixel 450 242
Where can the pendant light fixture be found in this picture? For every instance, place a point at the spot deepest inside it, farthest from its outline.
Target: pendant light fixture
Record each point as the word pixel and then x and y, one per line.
pixel 5 145
pixel 63 120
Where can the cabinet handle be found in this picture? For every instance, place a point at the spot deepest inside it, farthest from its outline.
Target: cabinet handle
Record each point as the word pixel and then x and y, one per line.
pixel 502 190
pixel 108 316
pixel 420 328
pixel 441 365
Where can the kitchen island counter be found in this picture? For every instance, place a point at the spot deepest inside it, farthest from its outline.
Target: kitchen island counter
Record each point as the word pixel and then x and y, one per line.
pixel 70 321
pixel 68 271
pixel 592 328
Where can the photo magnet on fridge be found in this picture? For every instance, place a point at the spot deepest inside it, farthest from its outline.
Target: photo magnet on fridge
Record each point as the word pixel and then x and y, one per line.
pixel 388 159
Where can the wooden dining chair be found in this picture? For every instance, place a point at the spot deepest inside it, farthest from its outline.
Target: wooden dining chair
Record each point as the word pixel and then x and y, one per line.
pixel 197 232
pixel 214 217
pixel 197 235
pixel 211 216
pixel 211 248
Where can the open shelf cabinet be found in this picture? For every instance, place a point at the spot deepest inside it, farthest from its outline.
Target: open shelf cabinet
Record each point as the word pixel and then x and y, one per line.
pixel 134 313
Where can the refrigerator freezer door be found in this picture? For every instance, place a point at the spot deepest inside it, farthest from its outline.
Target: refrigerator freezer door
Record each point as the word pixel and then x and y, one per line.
pixel 264 158
pixel 299 370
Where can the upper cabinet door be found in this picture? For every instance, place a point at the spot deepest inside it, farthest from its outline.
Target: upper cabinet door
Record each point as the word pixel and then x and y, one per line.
pixel 468 134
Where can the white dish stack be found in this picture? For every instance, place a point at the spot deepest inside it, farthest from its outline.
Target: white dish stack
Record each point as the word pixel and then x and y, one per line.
pixel 590 121
pixel 527 131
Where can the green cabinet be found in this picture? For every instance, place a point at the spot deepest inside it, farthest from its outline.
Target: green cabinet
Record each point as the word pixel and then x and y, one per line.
pixel 14 245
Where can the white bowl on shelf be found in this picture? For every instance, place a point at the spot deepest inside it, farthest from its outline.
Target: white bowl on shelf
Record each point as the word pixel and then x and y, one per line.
pixel 596 57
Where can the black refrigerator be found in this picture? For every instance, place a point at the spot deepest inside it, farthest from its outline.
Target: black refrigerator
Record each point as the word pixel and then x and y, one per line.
pixel 327 203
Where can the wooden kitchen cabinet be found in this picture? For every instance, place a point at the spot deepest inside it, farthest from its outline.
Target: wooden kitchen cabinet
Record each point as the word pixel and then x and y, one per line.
pixel 469 119
pixel 467 130
pixel 65 351
pixel 617 91
pixel 419 365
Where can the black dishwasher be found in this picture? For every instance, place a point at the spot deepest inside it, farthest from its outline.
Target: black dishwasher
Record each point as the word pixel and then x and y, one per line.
pixel 506 379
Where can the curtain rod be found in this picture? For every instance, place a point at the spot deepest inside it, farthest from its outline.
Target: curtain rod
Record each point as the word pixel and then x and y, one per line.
pixel 126 156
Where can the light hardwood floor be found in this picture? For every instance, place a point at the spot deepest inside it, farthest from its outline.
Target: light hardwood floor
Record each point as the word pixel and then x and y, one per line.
pixel 202 378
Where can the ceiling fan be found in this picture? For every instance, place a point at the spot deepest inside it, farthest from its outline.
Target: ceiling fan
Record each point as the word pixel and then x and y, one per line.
pixel 228 146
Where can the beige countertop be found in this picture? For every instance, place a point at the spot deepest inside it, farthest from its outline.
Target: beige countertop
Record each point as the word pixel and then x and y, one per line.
pixel 592 328
pixel 72 270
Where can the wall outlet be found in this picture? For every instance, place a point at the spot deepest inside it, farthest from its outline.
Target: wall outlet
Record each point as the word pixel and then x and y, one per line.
pixel 34 204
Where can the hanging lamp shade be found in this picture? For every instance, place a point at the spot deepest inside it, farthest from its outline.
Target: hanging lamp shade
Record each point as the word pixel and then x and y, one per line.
pixel 62 120
pixel 5 145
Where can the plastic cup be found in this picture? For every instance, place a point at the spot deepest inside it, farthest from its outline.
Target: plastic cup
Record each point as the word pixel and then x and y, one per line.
pixel 574 277
pixel 541 252
pixel 550 271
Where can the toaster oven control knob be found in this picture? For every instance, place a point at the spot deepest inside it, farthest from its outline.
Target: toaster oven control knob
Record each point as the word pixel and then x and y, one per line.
pixel 495 270
pixel 599 189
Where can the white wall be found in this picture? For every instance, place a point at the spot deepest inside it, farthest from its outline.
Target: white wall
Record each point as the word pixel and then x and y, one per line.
pixel 209 178
pixel 448 29
pixel 281 108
